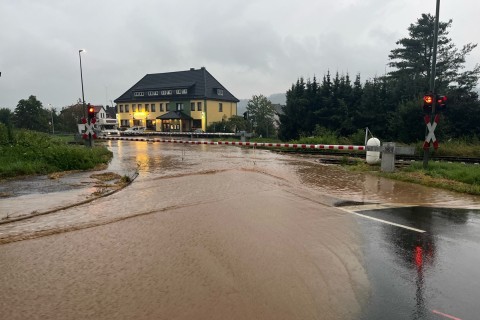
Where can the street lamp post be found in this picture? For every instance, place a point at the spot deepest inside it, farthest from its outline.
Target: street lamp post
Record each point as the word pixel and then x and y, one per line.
pixel 81 80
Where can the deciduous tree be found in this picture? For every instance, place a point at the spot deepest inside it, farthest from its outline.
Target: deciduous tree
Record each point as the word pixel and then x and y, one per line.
pixel 261 112
pixel 30 114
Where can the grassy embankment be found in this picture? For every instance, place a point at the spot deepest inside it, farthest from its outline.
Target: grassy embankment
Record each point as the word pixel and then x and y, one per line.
pixel 458 177
pixel 24 152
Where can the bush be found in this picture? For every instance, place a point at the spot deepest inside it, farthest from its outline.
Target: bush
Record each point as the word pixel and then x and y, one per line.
pixel 38 153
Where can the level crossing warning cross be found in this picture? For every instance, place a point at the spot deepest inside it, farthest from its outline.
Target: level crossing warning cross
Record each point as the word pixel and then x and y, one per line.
pixel 88 131
pixel 431 135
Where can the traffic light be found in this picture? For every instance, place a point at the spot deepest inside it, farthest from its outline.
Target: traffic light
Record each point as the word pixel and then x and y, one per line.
pixel 91 113
pixel 441 103
pixel 428 102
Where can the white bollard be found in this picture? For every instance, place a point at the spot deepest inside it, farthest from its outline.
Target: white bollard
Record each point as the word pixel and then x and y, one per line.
pixel 373 157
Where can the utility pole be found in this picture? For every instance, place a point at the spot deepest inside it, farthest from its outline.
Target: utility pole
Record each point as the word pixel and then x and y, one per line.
pixel 426 152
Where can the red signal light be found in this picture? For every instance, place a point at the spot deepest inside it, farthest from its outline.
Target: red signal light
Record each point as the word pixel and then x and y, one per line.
pixel 428 99
pixel 428 102
pixel 91 111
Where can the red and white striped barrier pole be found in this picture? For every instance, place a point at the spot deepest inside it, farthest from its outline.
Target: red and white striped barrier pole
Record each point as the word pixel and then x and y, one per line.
pixel 248 144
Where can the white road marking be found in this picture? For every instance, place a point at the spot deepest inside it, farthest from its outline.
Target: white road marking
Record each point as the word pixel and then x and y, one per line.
pixel 445 315
pixel 353 210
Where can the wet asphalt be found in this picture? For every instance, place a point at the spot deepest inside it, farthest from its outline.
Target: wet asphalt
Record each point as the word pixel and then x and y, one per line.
pixel 422 275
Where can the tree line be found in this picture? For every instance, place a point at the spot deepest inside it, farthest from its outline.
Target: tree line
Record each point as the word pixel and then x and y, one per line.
pixel 391 105
pixel 31 114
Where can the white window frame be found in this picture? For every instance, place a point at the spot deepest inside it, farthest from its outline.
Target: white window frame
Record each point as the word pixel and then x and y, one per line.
pixel 220 92
pixel 139 94
pixel 153 93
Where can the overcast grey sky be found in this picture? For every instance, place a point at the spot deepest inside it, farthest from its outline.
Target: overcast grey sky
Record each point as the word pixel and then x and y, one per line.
pixel 250 46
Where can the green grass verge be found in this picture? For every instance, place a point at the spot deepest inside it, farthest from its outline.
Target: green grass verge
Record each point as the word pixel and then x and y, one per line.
pixel 463 178
pixel 37 153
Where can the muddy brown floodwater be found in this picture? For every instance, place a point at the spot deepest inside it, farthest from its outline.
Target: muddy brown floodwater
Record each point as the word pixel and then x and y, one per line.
pixel 204 232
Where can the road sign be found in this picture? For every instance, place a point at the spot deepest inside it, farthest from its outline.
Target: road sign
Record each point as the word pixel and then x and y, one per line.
pixel 431 134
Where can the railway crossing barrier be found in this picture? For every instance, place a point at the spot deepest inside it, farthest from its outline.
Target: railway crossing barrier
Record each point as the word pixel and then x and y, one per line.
pixel 247 144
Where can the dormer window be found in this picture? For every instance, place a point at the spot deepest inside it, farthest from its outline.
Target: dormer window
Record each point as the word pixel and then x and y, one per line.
pixel 181 91
pixel 220 92
pixel 138 94
pixel 153 93
pixel 169 92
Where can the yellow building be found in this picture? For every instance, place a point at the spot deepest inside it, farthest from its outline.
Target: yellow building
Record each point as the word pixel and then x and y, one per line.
pixel 179 101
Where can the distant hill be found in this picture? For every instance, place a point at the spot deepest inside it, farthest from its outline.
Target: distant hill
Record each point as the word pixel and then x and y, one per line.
pixel 276 98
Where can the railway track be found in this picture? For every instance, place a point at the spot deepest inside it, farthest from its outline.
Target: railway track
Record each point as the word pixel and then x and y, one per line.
pixel 399 158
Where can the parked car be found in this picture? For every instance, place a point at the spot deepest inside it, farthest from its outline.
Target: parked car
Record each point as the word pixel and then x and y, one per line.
pixel 133 131
pixel 110 132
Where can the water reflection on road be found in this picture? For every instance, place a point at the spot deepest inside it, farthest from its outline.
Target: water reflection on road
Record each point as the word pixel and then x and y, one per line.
pixel 420 275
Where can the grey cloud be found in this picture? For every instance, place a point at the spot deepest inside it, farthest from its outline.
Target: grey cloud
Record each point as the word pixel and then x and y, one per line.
pixel 251 46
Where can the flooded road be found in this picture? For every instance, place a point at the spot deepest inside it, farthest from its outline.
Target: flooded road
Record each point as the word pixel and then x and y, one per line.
pixel 206 232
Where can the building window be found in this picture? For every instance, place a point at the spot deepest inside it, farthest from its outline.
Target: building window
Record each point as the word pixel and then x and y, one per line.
pixel 169 92
pixel 138 94
pixel 178 91
pixel 124 123
pixel 147 106
pixel 220 107
pixel 152 107
pixel 184 91
pixel 220 92
pixel 179 106
pixel 192 106
pixel 120 108
pixel 134 108
pixel 139 108
pixel 127 108
pixel 199 106
pixel 161 107
pixel 153 93
pixel 163 92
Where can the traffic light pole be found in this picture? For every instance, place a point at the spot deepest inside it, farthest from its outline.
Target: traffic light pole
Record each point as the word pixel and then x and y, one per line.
pixel 426 152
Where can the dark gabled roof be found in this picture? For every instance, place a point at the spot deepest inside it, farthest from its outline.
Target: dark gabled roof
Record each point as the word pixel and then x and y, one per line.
pixel 199 82
pixel 175 115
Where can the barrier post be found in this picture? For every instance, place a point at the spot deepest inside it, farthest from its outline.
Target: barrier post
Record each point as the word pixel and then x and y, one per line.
pixel 388 157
